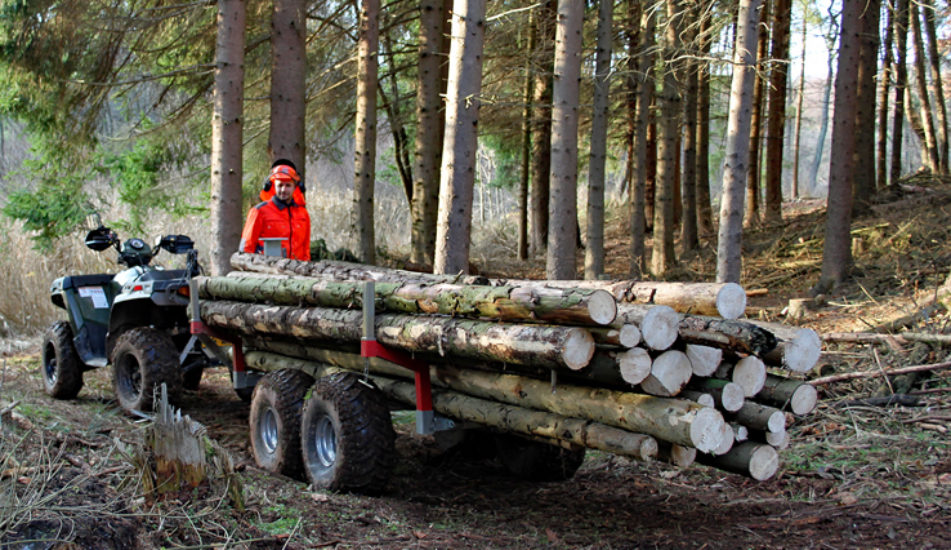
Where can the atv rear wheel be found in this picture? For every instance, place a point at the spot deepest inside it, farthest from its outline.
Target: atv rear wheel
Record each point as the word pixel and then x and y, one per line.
pixel 62 369
pixel 142 360
pixel 347 436
pixel 536 460
pixel 275 421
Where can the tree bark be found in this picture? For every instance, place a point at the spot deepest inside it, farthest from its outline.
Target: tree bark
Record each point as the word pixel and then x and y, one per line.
pixel 288 74
pixel 863 180
pixel 901 81
pixel 837 251
pixel 728 335
pixel 795 396
pixel 423 208
pixel 365 138
pixel 760 417
pixel 704 204
pixel 885 79
pixel 799 97
pixel 543 346
pixel 937 87
pixel 526 153
pixel 563 208
pixel 752 214
pixel 729 252
pixel 541 128
pixel 643 79
pixel 776 125
pixel 594 244
pixel 931 137
pixel 689 69
pixel 570 307
pixel 459 150
pixel 226 133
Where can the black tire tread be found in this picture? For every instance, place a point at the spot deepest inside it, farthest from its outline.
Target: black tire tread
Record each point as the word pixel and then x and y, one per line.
pixel 365 436
pixel 69 368
pixel 155 351
pixel 284 390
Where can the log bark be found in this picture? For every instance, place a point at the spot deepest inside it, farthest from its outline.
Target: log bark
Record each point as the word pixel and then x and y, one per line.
pixel 675 420
pixel 658 324
pixel 732 335
pixel 793 395
pixel 751 459
pixel 704 360
pixel 727 396
pixel 571 307
pixel 760 417
pixel 797 349
pixel 749 372
pixel 342 271
pixel 669 374
pixel 547 346
pixel 728 300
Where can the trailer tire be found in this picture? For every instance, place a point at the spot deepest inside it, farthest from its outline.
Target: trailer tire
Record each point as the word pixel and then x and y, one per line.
pixel 536 460
pixel 61 368
pixel 275 421
pixel 347 436
pixel 142 360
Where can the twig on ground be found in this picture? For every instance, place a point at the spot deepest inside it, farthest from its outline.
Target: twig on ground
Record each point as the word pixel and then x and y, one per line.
pixel 873 374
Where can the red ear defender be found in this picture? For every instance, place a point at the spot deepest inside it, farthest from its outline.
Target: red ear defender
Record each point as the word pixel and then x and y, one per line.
pixel 284 173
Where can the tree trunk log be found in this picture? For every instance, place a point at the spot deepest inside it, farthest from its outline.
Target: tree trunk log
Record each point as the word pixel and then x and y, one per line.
pixel 728 300
pixel 699 397
pixel 749 372
pixel 727 396
pixel 751 459
pixel 570 307
pixel 797 349
pixel 726 442
pixel 547 346
pixel 342 271
pixel 627 336
pixel 658 324
pixel 760 417
pixel 732 335
pixel 678 455
pixel 793 395
pixel 704 360
pixel 670 372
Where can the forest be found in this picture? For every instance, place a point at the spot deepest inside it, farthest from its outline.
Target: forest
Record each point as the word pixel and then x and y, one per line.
pixel 798 148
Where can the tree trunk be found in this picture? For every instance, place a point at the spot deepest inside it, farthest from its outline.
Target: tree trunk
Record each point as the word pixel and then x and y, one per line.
pixel 541 129
pixel 754 460
pixel 727 335
pixel 837 252
pixel 394 116
pixel 752 214
pixel 288 74
pixel 901 82
pixel 823 124
pixel 689 68
pixel 226 134
pixel 563 208
pixel 881 170
pixel 429 123
pixel 523 184
pixel 594 243
pixel 643 77
pixel 365 138
pixel 540 346
pixel 931 138
pixel 863 179
pixel 662 253
pixel 459 150
pixel 704 204
pixel 760 417
pixel 729 252
pixel 550 305
pixel 776 125
pixel 794 395
pixel 799 96
pixel 937 87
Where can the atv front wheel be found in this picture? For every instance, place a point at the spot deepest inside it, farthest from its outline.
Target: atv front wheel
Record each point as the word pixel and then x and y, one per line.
pixel 142 360
pixel 62 369
pixel 275 421
pixel 536 460
pixel 347 436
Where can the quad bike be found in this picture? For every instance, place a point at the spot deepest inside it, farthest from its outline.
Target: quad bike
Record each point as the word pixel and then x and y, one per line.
pixel 135 320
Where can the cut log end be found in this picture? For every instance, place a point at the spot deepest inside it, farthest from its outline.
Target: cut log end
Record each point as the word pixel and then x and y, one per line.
pixel 750 373
pixel 727 438
pixel 670 372
pixel 678 455
pixel 706 430
pixel 802 352
pixel 602 306
pixel 629 335
pixel 635 365
pixel 764 463
pixel 659 327
pixel 732 397
pixel 731 301
pixel 579 348
pixel 804 400
pixel 704 360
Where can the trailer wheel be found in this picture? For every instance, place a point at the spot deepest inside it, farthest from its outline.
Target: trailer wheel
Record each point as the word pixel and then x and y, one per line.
pixel 142 360
pixel 275 421
pixel 347 436
pixel 62 369
pixel 536 460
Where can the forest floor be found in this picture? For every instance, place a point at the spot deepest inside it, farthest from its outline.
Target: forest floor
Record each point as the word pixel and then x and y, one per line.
pixel 856 474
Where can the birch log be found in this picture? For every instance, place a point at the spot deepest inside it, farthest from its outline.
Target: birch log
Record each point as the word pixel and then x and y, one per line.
pixel 751 459
pixel 571 307
pixel 547 346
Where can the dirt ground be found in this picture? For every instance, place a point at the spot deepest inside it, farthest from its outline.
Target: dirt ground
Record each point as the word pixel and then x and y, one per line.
pixel 856 475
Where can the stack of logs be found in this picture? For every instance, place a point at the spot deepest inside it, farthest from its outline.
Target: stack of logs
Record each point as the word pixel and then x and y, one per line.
pixel 643 369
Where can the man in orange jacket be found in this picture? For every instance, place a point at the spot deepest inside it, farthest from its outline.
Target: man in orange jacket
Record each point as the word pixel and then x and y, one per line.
pixel 279 217
pixel 282 166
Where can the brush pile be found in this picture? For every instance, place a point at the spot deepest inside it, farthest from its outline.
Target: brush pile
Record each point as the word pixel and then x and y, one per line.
pixel 643 369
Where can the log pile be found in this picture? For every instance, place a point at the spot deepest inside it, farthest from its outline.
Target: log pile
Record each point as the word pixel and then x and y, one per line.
pixel 639 369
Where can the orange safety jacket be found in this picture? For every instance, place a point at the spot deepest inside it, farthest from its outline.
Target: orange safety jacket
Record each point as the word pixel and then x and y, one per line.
pixel 276 218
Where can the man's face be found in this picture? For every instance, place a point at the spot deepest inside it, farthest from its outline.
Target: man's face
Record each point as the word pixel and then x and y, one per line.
pixel 284 190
